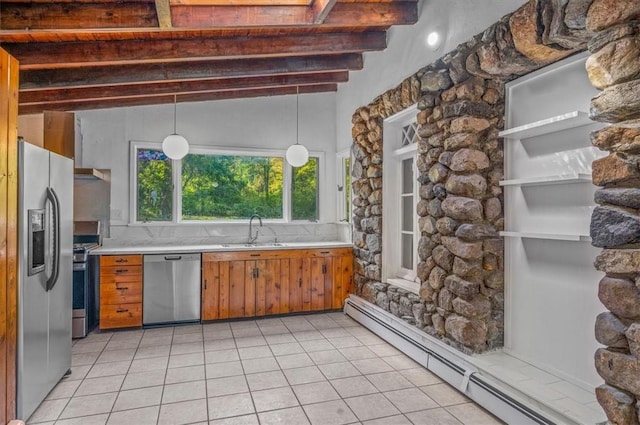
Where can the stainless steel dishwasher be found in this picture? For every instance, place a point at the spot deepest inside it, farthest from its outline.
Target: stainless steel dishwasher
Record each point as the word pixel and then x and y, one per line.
pixel 171 288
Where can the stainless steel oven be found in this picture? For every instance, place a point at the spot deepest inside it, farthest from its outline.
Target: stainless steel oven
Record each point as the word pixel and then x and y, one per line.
pixel 85 316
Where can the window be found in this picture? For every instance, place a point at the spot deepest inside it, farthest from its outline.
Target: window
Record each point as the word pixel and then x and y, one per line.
pixel 218 187
pixel 304 191
pixel 400 193
pixel 344 186
pixel 155 188
pixel 221 185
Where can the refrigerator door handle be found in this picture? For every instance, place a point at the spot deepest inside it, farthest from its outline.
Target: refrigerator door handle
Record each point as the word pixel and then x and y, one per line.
pixel 55 266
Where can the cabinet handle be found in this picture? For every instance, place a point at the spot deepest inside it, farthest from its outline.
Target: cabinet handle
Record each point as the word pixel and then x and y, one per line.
pixel 122 310
pixel 325 252
pixel 122 288
pixel 118 271
pixel 300 283
pixel 254 255
pixel 256 273
pixel 324 269
pixel 122 260
pixel 205 284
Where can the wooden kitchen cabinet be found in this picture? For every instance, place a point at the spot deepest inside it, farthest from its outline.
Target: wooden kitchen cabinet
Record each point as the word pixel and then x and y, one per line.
pixel 331 278
pixel 120 291
pixel 263 283
pixel 243 284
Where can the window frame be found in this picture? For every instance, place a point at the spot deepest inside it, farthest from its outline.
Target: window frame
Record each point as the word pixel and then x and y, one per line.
pixel 342 202
pixel 287 174
pixel 394 153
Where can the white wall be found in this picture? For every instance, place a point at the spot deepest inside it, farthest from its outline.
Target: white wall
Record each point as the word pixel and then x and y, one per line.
pixel 456 20
pixel 266 122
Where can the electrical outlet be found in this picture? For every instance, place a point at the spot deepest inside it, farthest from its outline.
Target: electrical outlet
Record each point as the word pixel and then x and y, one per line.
pixel 116 214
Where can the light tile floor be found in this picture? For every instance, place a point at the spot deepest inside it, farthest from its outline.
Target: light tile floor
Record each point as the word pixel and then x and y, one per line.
pixel 321 369
pixel 547 389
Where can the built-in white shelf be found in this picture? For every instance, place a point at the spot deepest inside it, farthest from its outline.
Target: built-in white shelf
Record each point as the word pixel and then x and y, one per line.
pixel 552 236
pixel 549 180
pixel 549 125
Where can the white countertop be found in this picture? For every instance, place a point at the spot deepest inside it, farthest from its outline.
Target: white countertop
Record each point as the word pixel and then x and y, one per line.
pixel 132 247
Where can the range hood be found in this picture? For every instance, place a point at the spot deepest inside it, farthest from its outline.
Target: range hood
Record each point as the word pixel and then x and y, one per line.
pixel 89 174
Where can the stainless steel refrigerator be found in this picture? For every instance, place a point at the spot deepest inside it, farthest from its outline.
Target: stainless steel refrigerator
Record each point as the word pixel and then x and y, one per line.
pixel 45 279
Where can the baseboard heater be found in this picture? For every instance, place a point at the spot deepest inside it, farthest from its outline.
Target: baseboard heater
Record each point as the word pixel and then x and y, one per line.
pixel 434 358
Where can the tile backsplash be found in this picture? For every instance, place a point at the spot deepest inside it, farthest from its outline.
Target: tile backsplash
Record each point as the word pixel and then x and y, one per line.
pixel 228 233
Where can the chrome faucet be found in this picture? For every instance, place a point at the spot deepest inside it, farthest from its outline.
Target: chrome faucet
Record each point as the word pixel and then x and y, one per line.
pixel 253 238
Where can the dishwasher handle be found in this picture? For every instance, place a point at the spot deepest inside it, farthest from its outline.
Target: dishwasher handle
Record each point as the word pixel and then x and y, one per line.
pixel 171 256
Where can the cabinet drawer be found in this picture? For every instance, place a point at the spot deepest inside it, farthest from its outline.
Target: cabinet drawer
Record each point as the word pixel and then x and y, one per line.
pixel 120 292
pixel 120 316
pixel 128 272
pixel 120 260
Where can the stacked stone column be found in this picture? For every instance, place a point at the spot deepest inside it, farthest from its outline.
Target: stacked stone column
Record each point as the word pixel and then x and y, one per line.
pixel 614 67
pixel 460 159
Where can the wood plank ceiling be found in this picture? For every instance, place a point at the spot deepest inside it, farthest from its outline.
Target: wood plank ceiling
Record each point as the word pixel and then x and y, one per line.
pixel 87 54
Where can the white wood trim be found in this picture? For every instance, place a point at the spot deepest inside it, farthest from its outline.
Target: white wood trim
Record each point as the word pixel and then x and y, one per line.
pixel 392 180
pixel 561 122
pixel 407 285
pixel 549 180
pixel 548 236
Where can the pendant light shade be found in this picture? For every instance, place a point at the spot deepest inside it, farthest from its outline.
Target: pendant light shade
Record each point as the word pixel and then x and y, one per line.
pixel 297 155
pixel 174 145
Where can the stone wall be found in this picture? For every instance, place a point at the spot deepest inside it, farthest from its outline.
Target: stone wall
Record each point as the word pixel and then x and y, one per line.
pixel 614 67
pixel 461 102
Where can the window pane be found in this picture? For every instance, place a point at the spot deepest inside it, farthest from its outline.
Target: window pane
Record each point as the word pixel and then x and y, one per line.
pixel 155 188
pixel 407 175
pixel 231 187
pixel 347 188
pixel 407 251
pixel 304 191
pixel 407 213
pixel 409 134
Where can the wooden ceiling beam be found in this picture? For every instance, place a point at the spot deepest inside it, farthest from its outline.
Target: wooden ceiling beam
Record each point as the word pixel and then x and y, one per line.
pixel 341 14
pixel 130 14
pixel 182 87
pixel 156 100
pixel 53 15
pixel 124 74
pixel 240 2
pixel 142 34
pixel 68 55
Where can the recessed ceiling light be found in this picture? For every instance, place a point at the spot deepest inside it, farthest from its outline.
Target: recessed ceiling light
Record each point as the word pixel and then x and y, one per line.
pixel 433 39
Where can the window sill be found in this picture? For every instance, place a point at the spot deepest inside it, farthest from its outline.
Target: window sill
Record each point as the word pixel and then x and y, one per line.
pixel 407 285
pixel 221 223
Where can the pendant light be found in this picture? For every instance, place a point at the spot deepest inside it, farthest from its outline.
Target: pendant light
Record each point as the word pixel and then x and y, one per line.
pixel 174 145
pixel 297 155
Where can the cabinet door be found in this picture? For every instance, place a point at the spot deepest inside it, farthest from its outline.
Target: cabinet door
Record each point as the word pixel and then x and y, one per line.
pixel 317 283
pixel 274 282
pixel 299 284
pixel 259 279
pixel 236 289
pixel 211 302
pixel 342 279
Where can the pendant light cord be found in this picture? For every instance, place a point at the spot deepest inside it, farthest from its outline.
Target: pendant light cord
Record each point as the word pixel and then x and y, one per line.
pixel 297 114
pixel 175 112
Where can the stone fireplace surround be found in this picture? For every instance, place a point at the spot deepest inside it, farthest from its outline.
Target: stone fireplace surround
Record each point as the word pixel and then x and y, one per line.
pixel 460 99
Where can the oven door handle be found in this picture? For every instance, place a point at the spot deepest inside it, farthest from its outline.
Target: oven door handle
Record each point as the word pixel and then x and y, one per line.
pixel 55 264
pixel 79 267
